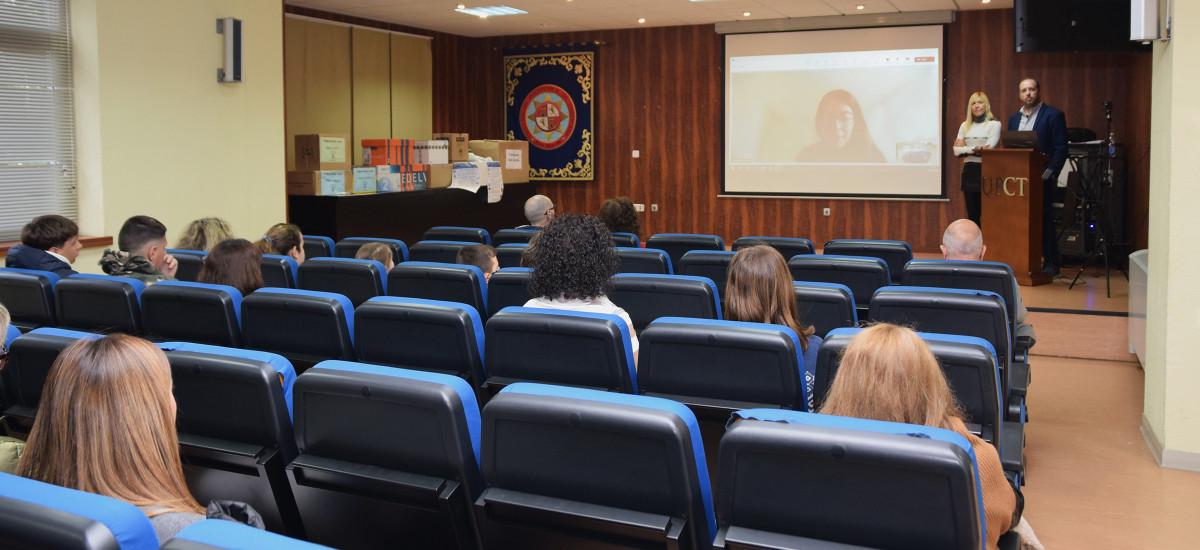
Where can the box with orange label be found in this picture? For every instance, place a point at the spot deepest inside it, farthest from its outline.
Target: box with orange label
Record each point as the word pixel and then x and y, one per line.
pixel 376 152
pixel 322 152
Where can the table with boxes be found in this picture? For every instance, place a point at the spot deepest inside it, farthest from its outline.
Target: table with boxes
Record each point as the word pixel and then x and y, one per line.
pixel 323 164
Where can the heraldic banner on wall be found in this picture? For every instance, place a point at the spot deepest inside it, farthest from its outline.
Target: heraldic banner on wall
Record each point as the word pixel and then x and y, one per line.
pixel 549 97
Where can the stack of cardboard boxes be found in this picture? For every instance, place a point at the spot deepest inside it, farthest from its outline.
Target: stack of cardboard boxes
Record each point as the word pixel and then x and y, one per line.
pixel 323 164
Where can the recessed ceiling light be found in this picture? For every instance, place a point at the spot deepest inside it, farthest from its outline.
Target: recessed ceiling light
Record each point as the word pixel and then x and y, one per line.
pixel 641 20
pixel 859 7
pixel 987 1
pixel 462 6
pixel 746 14
pixel 488 11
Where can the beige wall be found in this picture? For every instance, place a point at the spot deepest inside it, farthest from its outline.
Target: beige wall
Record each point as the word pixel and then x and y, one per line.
pixel 1172 409
pixel 158 135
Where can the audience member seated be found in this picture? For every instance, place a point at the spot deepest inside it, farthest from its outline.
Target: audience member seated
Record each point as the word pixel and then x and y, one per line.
pixel 481 256
pixel 204 234
pixel 888 373
pixel 963 240
pixel 620 216
pixel 143 252
pixel 233 262
pixel 377 251
pixel 573 263
pixel 48 243
pixel 539 211
pixel 106 425
pixel 283 239
pixel 759 290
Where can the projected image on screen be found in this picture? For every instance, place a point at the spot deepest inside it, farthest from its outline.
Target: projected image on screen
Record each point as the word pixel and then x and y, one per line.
pixel 865 120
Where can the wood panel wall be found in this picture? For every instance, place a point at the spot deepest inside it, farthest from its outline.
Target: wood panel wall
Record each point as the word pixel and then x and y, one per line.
pixel 659 91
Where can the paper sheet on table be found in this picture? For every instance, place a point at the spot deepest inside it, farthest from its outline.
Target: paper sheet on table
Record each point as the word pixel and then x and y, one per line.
pixel 465 176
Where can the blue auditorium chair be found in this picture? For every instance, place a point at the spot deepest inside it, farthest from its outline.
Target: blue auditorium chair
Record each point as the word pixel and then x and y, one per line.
pixel 505 236
pixel 429 335
pixel 235 427
pixel 790 479
pixel 990 276
pixel 646 297
pixel 554 346
pixel 396 465
pixel 219 534
pixel 316 246
pixel 190 263
pixel 194 312
pixel 628 240
pixel 440 281
pixel 787 246
pixel 28 294
pixel 863 276
pixel 510 254
pixel 37 515
pixel 577 468
pixel 713 264
pixel 445 252
pixel 973 372
pixel 894 253
pixel 678 244
pixel 305 326
pixel 825 306
pixel 508 287
pixel 718 367
pixel 348 247
pixel 453 233
pixel 963 312
pixel 358 280
pixel 644 260
pixel 100 302
pixel 29 360
pixel 279 271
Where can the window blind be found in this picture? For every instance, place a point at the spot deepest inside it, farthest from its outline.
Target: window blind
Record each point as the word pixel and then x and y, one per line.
pixel 37 144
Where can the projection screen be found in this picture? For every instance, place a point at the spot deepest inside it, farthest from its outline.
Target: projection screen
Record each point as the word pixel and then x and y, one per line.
pixel 835 113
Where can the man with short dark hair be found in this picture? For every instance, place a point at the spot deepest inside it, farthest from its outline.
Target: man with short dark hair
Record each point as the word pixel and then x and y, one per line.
pixel 48 243
pixel 143 252
pixel 963 240
pixel 1051 127
pixel 481 256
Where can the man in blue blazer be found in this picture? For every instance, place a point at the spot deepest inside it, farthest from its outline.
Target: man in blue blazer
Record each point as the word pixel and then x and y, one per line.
pixel 1051 127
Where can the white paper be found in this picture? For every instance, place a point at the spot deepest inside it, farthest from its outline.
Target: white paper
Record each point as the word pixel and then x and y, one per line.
pixel 465 176
pixel 495 182
pixel 512 159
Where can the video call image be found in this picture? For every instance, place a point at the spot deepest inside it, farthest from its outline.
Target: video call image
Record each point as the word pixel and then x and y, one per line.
pixel 848 122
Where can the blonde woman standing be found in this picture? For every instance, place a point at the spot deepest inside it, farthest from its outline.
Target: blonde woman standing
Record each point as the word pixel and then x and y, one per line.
pixel 979 131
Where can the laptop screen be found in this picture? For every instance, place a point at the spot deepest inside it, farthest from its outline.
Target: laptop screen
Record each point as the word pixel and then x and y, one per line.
pixel 1018 139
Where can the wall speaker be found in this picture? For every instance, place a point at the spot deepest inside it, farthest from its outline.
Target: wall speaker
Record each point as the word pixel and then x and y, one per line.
pixel 1143 20
pixel 232 29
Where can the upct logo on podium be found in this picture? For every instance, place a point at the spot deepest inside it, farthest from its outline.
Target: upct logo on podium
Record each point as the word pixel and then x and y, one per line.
pixel 998 185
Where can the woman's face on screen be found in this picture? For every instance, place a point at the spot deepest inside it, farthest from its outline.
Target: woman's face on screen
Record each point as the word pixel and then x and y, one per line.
pixel 835 123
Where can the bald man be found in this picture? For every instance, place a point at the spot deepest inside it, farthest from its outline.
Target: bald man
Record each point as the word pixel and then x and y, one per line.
pixel 963 240
pixel 539 210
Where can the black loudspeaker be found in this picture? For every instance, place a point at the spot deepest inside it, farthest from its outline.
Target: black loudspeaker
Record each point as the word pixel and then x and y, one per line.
pixel 232 29
pixel 1073 25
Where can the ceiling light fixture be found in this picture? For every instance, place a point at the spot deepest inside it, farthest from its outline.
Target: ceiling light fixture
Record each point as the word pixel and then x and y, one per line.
pixel 986 1
pixel 462 6
pixel 489 11
pixel 860 7
pixel 641 20
pixel 746 14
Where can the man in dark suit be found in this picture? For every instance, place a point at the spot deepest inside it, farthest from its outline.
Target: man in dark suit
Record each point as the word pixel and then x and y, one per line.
pixel 1051 127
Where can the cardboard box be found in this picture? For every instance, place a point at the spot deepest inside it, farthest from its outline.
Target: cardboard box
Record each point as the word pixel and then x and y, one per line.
pixel 375 152
pixel 403 152
pixel 458 146
pixel 392 179
pixel 364 180
pixel 322 152
pixel 432 152
pixel 438 176
pixel 320 182
pixel 513 157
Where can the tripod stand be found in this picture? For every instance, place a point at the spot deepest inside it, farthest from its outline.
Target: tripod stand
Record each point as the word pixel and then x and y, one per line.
pixel 1096 194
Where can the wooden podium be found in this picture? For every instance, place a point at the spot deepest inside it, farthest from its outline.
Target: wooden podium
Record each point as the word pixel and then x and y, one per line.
pixel 1012 211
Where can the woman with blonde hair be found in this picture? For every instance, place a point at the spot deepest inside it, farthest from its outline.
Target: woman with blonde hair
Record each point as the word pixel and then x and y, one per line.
pixel 979 131
pixel 106 425
pixel 759 290
pixel 283 239
pixel 204 234
pixel 888 373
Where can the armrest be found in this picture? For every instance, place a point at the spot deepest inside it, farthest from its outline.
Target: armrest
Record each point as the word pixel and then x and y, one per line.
pixel 1018 378
pixel 539 512
pixel 1012 448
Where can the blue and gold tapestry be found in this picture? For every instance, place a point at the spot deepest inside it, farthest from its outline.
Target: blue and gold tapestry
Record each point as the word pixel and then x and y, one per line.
pixel 548 96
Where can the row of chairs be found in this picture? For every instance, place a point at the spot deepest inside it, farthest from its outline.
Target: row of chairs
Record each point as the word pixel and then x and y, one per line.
pixel 383 454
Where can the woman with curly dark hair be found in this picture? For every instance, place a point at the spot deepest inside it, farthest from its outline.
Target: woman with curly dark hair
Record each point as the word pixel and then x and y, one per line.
pixel 573 261
pixel 620 216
